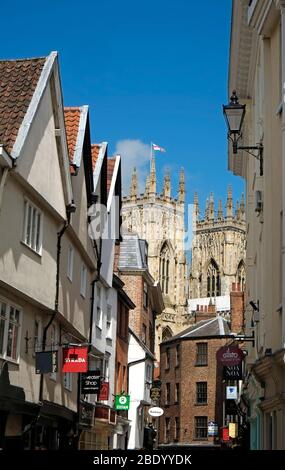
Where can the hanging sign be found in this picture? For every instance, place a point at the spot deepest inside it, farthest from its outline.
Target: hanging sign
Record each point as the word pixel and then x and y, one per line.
pixel 75 359
pixel 229 355
pixel 122 402
pixel 155 411
pixel 46 362
pixel 104 392
pixel 213 429
pixel 232 372
pixel 231 393
pixel 90 382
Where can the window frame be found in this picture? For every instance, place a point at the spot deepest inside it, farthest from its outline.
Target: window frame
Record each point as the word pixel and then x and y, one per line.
pixel 83 280
pixel 201 393
pixel 70 262
pixel 199 427
pixel 37 245
pixel 99 320
pixel 67 381
pixel 109 322
pixel 3 353
pixel 201 358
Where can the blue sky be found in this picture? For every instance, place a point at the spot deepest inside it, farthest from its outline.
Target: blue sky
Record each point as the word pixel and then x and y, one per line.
pixel 154 70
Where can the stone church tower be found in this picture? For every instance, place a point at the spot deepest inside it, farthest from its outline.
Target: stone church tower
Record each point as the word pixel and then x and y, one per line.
pixel 218 249
pixel 159 219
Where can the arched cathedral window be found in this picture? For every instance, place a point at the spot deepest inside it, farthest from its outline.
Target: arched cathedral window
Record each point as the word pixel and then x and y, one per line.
pixel 166 333
pixel 213 280
pixel 240 276
pixel 164 269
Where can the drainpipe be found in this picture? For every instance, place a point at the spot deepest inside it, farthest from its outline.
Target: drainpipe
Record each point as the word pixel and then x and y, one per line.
pixel 71 208
pixel 99 264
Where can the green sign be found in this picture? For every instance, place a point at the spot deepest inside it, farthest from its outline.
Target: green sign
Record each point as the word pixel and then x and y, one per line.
pixel 122 402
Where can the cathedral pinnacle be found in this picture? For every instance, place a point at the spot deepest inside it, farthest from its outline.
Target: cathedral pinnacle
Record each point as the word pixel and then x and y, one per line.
pixel 196 205
pixel 181 191
pixel 152 183
pixel 229 205
pixel 134 184
pixel 220 210
pixel 166 186
pixel 211 210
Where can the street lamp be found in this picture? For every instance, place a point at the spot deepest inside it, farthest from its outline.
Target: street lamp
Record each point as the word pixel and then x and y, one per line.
pixel 234 114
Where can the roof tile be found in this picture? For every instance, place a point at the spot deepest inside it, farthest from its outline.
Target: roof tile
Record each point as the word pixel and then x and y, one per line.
pixel 95 149
pixel 72 118
pixel 18 81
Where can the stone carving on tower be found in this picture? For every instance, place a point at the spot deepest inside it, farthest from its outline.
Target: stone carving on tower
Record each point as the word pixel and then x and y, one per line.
pixel 218 249
pixel 159 219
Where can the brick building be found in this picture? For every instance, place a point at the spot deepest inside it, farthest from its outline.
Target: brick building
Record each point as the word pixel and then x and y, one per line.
pixel 192 388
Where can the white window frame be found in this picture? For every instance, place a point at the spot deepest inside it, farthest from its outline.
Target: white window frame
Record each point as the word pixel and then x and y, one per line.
pixel 109 322
pixel 54 346
pixel 32 241
pixel 99 320
pixel 37 340
pixel 3 353
pixel 67 381
pixel 70 261
pixel 107 367
pixel 83 280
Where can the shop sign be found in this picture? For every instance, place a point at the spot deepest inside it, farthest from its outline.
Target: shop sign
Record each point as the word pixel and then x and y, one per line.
pixel 232 372
pixel 213 429
pixel 233 430
pixel 122 402
pixel 46 362
pixel 155 393
pixel 155 411
pixel 229 356
pixel 75 359
pixel 225 434
pixel 104 392
pixel 86 414
pixel 90 382
pixel 231 393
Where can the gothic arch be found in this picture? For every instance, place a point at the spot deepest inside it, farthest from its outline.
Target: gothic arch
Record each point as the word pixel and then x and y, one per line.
pixel 165 257
pixel 240 274
pixel 166 333
pixel 213 277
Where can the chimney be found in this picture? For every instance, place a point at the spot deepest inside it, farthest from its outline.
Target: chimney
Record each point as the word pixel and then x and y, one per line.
pixel 237 308
pixel 205 312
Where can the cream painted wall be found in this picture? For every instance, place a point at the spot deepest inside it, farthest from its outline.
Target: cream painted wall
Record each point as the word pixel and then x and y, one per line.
pixel 18 263
pixel 39 163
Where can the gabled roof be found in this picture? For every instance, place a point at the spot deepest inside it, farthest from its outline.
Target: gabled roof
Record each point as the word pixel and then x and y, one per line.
pixel 95 150
pixel 215 327
pixel 110 170
pixel 75 126
pixel 18 81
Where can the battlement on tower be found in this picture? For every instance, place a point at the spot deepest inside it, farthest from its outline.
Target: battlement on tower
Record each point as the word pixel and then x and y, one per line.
pixel 150 194
pixel 232 218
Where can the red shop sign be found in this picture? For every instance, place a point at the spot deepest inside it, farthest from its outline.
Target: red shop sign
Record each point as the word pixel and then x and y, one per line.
pixel 225 434
pixel 229 355
pixel 75 359
pixel 104 392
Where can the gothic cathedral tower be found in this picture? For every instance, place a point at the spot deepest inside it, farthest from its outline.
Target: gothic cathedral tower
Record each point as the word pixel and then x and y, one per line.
pixel 159 219
pixel 218 249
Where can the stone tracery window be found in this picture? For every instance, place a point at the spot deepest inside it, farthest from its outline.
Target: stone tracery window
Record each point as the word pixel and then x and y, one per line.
pixel 213 280
pixel 240 276
pixel 166 333
pixel 164 268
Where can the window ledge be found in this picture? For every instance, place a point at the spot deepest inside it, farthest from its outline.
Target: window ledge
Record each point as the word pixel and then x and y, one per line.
pixel 201 404
pixel 38 253
pixel 16 362
pixel 201 365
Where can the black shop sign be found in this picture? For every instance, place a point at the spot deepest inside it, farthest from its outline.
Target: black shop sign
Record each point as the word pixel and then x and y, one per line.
pixel 90 382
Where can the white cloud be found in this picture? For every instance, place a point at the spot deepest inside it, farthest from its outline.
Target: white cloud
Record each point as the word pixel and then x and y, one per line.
pixel 134 153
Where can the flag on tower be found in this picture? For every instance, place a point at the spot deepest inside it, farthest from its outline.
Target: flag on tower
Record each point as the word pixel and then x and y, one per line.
pixel 156 147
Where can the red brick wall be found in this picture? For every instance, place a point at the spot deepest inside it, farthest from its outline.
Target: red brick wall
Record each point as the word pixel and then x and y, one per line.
pixel 237 309
pixel 121 368
pixel 188 374
pixel 140 315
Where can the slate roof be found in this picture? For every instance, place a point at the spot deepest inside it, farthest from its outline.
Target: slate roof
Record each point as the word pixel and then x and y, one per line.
pixel 72 118
pixel 18 81
pixel 131 253
pixel 216 326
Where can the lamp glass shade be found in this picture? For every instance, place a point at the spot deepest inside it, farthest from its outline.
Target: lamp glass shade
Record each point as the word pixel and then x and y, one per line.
pixel 234 115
